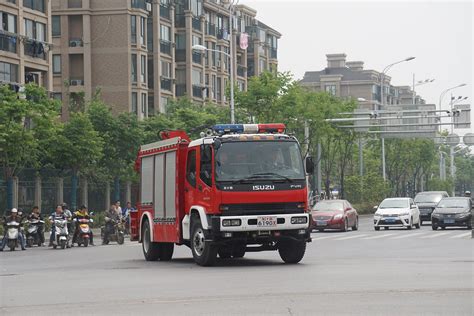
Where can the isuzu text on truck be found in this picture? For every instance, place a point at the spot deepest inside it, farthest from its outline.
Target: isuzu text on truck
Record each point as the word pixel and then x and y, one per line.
pixel 242 188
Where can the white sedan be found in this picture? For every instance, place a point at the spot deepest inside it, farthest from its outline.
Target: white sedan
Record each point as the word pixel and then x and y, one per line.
pixel 397 212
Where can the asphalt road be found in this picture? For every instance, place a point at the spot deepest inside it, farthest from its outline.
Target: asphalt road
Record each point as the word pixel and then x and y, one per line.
pixel 395 272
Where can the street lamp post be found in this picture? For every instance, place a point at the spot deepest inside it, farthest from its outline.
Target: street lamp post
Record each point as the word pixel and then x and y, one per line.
pixel 202 48
pixel 382 101
pixel 419 83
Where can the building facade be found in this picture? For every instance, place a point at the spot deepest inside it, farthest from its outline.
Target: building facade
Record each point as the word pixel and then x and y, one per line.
pixel 349 79
pixel 139 53
pixel 25 43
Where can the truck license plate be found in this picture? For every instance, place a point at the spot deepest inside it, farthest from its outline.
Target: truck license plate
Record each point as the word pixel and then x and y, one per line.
pixel 266 221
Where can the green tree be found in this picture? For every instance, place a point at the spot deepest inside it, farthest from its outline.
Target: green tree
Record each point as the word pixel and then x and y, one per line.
pixel 26 127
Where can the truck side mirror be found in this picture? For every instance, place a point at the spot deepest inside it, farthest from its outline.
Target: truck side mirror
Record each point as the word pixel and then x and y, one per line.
pixel 309 165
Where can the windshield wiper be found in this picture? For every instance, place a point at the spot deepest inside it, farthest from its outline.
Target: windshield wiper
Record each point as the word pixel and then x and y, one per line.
pixel 262 175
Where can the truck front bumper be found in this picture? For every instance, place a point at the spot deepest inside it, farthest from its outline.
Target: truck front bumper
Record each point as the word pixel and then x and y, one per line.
pixel 249 223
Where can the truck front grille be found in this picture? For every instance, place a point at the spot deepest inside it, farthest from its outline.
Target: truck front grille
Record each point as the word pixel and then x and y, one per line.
pixel 261 209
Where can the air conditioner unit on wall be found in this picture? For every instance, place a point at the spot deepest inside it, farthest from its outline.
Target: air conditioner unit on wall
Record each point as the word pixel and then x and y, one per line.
pixel 76 82
pixel 148 6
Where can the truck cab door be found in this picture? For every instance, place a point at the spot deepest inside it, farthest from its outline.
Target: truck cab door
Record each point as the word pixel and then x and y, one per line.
pixel 204 181
pixel 191 179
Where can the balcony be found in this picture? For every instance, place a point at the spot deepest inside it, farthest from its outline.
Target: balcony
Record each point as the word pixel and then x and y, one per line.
pixel 166 83
pixel 165 12
pixel 139 4
pixel 210 29
pixel 197 91
pixel 180 20
pixel 196 24
pixel 240 71
pixel 180 90
pixel 165 47
pixel 197 57
pixel 8 42
pixel 273 53
pixel 180 55
pixel 34 49
pixel 76 42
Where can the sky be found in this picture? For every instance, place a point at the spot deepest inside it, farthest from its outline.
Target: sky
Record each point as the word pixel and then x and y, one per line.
pixel 438 33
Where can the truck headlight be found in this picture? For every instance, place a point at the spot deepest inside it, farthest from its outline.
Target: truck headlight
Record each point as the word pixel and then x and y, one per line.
pixel 231 222
pixel 299 220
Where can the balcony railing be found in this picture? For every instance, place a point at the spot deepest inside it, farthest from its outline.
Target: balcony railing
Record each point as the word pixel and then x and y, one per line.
pixel 210 29
pixel 8 42
pixel 197 91
pixel 180 90
pixel 166 83
pixel 139 4
pixel 35 49
pixel 197 57
pixel 240 71
pixel 165 47
pixel 76 42
pixel 165 12
pixel 180 55
pixel 180 20
pixel 273 53
pixel 196 24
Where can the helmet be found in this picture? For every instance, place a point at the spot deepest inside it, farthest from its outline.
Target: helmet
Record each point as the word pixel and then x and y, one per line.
pixel 14 210
pixel 467 193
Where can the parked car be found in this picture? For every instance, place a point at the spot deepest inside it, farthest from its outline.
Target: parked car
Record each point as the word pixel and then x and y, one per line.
pixel 452 211
pixel 427 202
pixel 334 214
pixel 397 212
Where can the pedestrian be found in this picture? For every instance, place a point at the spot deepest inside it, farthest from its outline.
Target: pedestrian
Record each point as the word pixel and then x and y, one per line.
pixel 126 215
pixel 118 209
pixel 14 217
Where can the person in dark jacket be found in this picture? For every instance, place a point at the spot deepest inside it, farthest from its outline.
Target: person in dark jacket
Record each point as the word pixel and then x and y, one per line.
pixel 36 215
pixel 111 218
pixel 14 217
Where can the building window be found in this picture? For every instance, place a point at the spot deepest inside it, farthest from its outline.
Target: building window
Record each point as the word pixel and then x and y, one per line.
pixel 134 68
pixel 56 25
pixel 213 87
pixel 165 69
pixel 144 103
pixel 331 89
pixel 134 102
pixel 8 72
pixel 56 64
pixel 37 5
pixel 180 40
pixel 218 88
pixel 196 40
pixel 262 65
pixel 58 96
pixel 143 68
pixel 142 30
pixel 196 7
pixel 163 104
pixel 8 22
pixel 197 77
pixel 133 26
pixel 35 30
pixel 165 33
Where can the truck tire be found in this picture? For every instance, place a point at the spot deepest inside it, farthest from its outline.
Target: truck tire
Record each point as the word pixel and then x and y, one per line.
pixel 151 250
pixel 291 251
pixel 204 253
pixel 166 251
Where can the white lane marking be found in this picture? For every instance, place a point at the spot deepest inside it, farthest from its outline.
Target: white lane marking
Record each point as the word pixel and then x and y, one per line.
pixel 351 237
pixel 435 234
pixel 461 235
pixel 325 237
pixel 408 235
pixel 378 236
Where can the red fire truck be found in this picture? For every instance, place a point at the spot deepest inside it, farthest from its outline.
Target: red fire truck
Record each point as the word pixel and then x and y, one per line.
pixel 240 188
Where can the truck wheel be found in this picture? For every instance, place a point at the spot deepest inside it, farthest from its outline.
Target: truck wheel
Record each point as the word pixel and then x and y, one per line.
pixel 166 251
pixel 151 250
pixel 204 253
pixel 225 253
pixel 291 251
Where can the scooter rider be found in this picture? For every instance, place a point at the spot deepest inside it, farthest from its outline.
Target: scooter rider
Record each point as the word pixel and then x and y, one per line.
pixel 82 213
pixel 36 215
pixel 14 217
pixel 111 218
pixel 58 214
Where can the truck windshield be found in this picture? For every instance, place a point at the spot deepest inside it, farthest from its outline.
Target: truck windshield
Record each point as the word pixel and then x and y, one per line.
pixel 277 160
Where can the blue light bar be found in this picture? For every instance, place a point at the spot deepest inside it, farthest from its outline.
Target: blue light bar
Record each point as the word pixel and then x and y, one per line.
pixel 228 128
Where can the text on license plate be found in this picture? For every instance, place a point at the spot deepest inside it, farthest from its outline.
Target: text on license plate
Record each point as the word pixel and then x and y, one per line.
pixel 321 223
pixel 267 221
pixel 390 220
pixel 449 221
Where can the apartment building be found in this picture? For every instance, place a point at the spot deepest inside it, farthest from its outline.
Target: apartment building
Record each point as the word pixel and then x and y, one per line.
pixel 349 79
pixel 139 53
pixel 25 43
